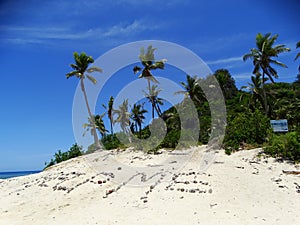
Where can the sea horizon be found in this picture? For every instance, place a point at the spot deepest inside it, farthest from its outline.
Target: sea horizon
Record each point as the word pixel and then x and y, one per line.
pixel 11 174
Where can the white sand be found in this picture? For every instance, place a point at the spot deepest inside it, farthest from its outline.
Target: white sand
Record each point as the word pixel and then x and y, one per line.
pixel 236 189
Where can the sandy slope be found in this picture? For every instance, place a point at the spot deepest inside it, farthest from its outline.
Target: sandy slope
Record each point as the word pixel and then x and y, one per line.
pixel 129 187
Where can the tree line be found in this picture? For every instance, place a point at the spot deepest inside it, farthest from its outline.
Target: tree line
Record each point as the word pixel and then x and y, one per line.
pixel 249 109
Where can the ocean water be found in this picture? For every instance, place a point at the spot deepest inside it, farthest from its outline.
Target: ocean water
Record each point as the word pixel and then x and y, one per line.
pixel 6 175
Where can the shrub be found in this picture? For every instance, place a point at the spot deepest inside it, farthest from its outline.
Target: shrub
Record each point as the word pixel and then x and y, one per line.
pixel 246 128
pixel 286 146
pixel 60 156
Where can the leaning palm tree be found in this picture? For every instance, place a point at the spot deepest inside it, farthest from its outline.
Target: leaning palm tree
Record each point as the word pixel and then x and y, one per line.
pixel 123 116
pixel 262 58
pixel 155 101
pixel 137 115
pixel 80 67
pixel 191 89
pixel 109 109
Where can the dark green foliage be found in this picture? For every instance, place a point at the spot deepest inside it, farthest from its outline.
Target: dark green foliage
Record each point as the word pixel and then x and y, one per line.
pixel 226 83
pixel 286 146
pixel 112 142
pixel 60 156
pixel 246 128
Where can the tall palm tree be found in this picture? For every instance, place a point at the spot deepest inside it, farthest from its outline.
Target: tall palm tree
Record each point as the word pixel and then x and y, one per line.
pixel 297 56
pixel 191 89
pixel 155 101
pixel 123 116
pixel 80 68
pixel 262 58
pixel 149 63
pixel 109 109
pixel 137 115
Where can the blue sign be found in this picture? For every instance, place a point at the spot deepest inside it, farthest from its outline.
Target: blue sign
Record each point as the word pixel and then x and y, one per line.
pixel 279 125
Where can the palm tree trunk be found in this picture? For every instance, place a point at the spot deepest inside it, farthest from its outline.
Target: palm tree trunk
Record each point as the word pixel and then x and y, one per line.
pixel 157 110
pixel 96 139
pixel 140 130
pixel 153 106
pixel 264 94
pixel 111 126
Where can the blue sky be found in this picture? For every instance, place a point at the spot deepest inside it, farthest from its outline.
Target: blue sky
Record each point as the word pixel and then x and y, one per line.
pixel 38 38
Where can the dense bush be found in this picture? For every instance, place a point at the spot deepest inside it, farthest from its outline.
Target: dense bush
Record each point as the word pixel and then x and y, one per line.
pixel 286 146
pixel 246 128
pixel 60 156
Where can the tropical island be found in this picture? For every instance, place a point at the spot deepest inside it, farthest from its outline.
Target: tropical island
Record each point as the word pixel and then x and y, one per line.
pixel 250 174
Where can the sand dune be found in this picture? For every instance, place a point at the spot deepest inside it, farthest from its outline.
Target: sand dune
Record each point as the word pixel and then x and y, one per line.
pixel 128 187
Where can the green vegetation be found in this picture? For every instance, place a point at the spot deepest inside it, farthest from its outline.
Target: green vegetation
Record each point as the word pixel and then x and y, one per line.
pixel 285 146
pixel 60 156
pixel 249 110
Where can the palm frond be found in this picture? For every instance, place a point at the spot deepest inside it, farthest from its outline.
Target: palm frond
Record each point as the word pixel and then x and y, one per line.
pixel 94 69
pixel 73 73
pixel 74 66
pixel 136 69
pixel 92 79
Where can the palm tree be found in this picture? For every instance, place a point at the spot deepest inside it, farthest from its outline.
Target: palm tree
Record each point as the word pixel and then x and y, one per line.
pixel 155 101
pixel 191 89
pixel 262 57
pixel 80 67
pixel 137 115
pixel 123 116
pixel 298 55
pixel 110 112
pixel 255 89
pixel 100 126
pixel 148 61
pixel 95 122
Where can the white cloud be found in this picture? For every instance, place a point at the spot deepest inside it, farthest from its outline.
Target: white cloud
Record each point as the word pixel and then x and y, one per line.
pixel 125 29
pixel 242 76
pixel 26 35
pixel 226 60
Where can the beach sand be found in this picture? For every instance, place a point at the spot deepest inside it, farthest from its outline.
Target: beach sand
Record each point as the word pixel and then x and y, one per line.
pixel 109 188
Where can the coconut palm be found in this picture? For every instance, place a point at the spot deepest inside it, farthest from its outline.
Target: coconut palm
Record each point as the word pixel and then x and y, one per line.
pixel 80 67
pixel 155 101
pixel 255 89
pixel 148 61
pixel 109 109
pixel 191 89
pixel 123 116
pixel 137 115
pixel 96 120
pixel 298 55
pixel 262 58
pixel 100 126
